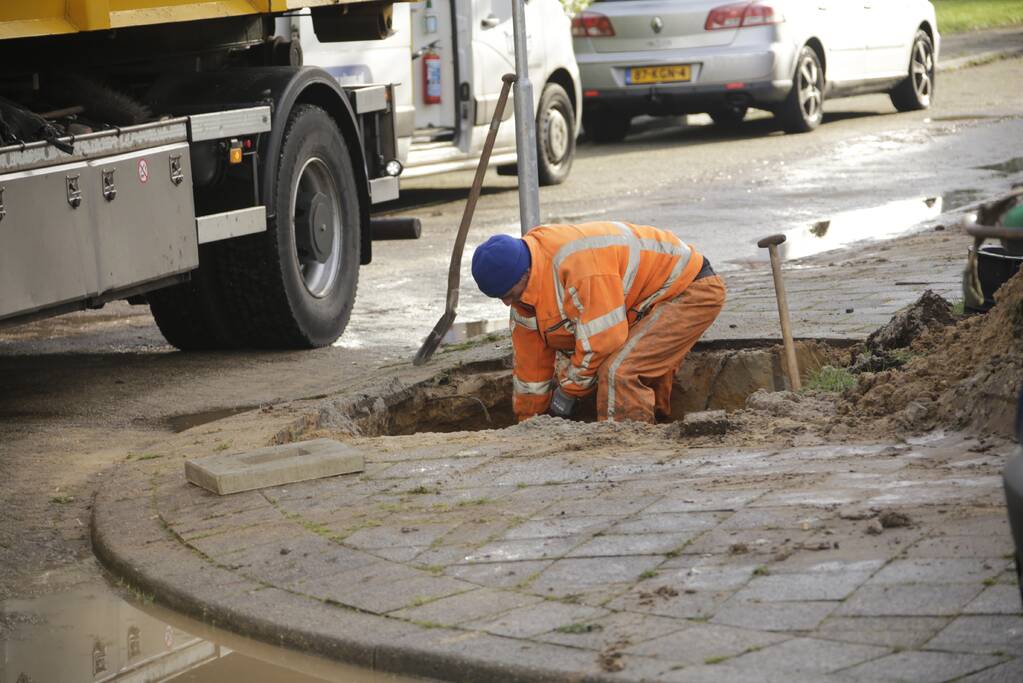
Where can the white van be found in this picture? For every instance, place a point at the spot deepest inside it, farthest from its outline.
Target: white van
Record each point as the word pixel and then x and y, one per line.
pixel 446 58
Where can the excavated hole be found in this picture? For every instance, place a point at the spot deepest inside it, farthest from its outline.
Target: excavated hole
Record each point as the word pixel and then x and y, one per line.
pixel 715 375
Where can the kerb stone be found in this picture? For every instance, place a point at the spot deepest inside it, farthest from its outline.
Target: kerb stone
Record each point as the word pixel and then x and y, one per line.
pixel 273 466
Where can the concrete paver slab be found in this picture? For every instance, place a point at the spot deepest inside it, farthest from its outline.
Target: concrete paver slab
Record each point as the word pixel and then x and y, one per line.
pixel 991 634
pixel 901 633
pixel 774 616
pixel 923 666
pixel 533 620
pixel 234 472
pixel 808 655
pixel 909 600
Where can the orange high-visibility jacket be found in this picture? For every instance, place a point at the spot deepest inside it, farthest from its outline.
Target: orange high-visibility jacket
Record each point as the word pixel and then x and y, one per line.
pixel 588 284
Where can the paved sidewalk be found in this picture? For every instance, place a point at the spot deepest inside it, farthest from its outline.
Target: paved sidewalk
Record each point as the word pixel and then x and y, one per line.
pixel 540 553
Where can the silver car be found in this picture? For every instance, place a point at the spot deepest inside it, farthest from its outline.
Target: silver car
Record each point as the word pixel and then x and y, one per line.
pixel 668 57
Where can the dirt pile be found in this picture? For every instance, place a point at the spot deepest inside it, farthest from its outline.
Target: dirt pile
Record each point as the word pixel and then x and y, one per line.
pixel 962 375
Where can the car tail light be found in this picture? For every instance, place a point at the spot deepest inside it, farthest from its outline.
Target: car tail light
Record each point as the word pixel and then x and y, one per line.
pixel 591 25
pixel 739 14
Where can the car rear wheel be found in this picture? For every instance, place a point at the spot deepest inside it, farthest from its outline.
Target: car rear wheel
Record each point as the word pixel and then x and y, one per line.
pixel 605 125
pixel 916 91
pixel 555 135
pixel 730 116
pixel 803 108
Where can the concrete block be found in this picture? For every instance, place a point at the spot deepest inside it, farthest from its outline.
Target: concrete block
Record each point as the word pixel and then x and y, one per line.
pixel 274 466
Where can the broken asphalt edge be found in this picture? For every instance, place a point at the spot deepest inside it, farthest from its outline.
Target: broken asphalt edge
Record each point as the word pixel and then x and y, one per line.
pixel 131 541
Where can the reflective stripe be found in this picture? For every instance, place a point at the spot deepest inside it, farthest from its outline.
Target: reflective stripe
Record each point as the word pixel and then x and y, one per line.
pixel 635 244
pixel 532 388
pixel 581 244
pixel 622 355
pixel 575 377
pixel 529 323
pixel 579 331
pixel 659 247
pixel 670 282
pixel 604 322
pixel 574 293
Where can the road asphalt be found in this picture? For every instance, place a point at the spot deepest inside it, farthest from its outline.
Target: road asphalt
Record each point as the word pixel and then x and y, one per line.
pixel 508 555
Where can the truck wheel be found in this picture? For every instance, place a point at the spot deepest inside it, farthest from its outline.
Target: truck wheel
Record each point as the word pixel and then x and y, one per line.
pixel 915 92
pixel 555 135
pixel 190 315
pixel 294 285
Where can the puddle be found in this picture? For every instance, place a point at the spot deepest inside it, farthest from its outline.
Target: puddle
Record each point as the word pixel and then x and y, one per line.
pixel 181 423
pixel 1010 167
pixel 877 223
pixel 90 634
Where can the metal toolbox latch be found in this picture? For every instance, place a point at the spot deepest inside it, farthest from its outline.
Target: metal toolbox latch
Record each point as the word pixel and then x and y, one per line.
pixel 109 186
pixel 176 175
pixel 74 191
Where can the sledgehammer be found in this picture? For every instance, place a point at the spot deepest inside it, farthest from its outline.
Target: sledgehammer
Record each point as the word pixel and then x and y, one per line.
pixel 771 244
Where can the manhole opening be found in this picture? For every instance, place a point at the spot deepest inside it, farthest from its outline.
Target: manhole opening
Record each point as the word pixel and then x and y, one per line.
pixel 716 375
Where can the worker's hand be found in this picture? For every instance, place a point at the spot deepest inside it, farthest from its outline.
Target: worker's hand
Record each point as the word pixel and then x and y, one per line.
pixel 562 405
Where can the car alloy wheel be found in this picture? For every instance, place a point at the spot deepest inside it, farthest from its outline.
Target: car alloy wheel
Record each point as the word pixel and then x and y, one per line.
pixel 810 87
pixel 922 71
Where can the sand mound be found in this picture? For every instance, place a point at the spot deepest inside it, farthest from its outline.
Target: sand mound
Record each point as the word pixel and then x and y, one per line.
pixel 962 375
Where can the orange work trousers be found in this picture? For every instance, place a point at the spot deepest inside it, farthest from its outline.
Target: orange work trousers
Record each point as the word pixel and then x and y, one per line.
pixel 634 383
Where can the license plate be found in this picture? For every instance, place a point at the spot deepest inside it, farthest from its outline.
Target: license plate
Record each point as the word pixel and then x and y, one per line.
pixel 673 73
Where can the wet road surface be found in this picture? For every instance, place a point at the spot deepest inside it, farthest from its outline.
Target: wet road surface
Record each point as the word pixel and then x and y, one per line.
pixel 867 173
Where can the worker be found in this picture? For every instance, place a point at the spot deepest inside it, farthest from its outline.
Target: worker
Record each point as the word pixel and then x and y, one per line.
pixel 625 302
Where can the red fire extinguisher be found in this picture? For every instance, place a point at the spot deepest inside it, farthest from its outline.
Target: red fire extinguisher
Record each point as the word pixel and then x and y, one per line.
pixel 431 78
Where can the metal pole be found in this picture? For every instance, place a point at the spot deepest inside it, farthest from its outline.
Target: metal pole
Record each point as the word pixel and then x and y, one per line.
pixel 525 128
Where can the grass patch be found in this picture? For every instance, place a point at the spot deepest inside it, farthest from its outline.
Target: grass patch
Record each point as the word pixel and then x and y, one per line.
pixel 761 571
pixel 62 499
pixel 474 501
pixel 830 378
pixel 959 307
pixel 222 446
pixel 956 16
pixel 648 574
pixel 422 490
pixel 714 660
pixel 990 582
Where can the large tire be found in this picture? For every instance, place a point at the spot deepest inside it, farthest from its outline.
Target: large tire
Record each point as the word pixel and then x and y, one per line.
pixel 555 135
pixel 190 315
pixel 293 287
pixel 606 125
pixel 916 91
pixel 729 116
pixel 803 110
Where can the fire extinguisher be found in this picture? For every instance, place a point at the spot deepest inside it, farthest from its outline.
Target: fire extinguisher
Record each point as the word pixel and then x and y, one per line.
pixel 431 78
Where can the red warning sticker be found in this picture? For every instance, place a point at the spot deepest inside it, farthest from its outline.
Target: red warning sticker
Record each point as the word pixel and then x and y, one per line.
pixel 143 171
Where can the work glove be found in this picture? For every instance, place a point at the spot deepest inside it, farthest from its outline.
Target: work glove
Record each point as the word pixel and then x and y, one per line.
pixel 562 405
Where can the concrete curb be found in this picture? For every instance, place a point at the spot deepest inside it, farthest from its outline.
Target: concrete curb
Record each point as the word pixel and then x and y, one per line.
pixel 978 59
pixel 130 540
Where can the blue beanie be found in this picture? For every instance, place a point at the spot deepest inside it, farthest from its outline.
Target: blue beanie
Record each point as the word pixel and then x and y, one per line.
pixel 499 263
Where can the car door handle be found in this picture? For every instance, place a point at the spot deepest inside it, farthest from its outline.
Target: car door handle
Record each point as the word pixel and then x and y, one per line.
pixel 489 21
